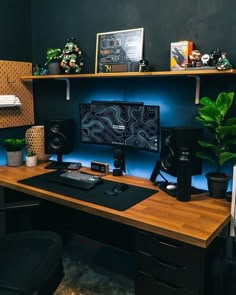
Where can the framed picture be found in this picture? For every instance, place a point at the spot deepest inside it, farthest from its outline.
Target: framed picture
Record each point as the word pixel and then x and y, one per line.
pixel 119 51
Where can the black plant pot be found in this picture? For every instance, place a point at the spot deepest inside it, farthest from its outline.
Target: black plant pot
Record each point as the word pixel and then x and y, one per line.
pixel 54 68
pixel 217 184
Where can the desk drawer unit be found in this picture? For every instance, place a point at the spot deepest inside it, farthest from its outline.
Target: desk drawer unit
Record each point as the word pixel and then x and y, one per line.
pixel 167 267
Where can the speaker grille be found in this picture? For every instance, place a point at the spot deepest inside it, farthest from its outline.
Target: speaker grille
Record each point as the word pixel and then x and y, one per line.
pixel 59 137
pixel 174 138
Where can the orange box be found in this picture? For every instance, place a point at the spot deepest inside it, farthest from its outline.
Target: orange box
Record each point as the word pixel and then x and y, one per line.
pixel 179 55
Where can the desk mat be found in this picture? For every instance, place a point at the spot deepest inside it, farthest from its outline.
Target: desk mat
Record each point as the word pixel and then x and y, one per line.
pixel 120 202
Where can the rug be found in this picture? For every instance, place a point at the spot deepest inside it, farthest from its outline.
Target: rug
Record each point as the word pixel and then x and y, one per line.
pixel 82 279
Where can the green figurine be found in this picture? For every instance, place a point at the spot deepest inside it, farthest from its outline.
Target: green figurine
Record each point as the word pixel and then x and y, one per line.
pixel 223 63
pixel 71 58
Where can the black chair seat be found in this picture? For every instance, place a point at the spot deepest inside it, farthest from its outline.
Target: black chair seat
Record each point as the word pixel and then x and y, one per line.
pixel 30 262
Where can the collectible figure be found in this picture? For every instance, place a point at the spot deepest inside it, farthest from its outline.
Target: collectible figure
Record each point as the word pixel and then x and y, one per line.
pixel 214 57
pixel 195 57
pixel 223 63
pixel 205 59
pixel 143 64
pixel 71 58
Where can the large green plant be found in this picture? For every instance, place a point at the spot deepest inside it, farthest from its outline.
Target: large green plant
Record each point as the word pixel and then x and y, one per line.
pixel 14 144
pixel 214 115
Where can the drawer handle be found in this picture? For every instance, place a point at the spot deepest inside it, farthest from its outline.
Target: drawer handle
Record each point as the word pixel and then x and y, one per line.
pixel 172 266
pixel 171 245
pixel 165 284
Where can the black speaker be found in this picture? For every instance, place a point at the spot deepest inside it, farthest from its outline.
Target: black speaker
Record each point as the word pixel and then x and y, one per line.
pixel 175 138
pixel 119 162
pixel 59 137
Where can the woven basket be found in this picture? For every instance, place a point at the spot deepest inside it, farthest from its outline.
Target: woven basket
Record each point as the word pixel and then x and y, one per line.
pixel 34 138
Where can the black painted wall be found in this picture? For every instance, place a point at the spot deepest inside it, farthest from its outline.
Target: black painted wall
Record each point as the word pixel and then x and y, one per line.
pixel 16 43
pixel 209 24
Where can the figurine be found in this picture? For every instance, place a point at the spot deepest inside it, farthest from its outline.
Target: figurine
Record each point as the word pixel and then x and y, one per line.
pixel 205 59
pixel 195 57
pixel 223 63
pixel 71 58
pixel 214 57
pixel 143 64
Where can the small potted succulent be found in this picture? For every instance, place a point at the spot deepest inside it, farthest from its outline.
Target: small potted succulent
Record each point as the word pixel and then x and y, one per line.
pixel 31 159
pixel 53 57
pixel 14 150
pixel 217 148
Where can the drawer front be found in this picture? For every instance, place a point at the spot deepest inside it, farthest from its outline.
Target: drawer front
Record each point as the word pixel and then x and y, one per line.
pixel 169 250
pixel 179 275
pixel 148 285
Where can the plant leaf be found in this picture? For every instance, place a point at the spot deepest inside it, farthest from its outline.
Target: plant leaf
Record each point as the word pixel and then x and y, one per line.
pixel 226 156
pixel 210 114
pixel 224 101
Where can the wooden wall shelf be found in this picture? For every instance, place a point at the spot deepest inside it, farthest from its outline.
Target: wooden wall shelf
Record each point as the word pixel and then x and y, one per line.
pixel 185 73
pixel 133 74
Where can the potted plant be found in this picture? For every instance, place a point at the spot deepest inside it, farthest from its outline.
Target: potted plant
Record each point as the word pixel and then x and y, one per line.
pixel 14 150
pixel 220 139
pixel 31 159
pixel 53 57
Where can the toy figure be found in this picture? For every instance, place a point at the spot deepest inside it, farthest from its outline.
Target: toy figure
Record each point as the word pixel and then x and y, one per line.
pixel 71 58
pixel 205 59
pixel 214 57
pixel 195 57
pixel 223 63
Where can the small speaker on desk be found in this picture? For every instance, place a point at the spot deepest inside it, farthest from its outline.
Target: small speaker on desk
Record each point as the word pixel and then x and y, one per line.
pixel 174 138
pixel 119 162
pixel 59 137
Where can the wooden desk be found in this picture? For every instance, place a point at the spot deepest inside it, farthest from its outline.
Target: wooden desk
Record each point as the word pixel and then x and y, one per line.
pixel 197 222
pixel 176 243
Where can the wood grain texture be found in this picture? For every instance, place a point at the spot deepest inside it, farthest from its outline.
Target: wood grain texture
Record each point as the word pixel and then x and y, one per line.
pixel 196 222
pixel 133 74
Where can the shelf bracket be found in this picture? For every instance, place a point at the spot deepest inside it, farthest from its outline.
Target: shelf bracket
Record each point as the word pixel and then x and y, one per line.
pixel 67 87
pixel 197 88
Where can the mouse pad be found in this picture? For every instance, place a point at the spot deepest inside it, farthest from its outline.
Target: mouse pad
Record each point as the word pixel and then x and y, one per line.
pixel 120 202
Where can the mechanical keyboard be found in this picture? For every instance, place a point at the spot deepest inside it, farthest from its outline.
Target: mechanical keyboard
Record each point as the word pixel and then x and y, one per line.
pixel 77 180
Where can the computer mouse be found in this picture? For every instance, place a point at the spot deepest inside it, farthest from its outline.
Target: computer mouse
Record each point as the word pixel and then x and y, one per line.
pixel 120 187
pixel 171 187
pixel 117 188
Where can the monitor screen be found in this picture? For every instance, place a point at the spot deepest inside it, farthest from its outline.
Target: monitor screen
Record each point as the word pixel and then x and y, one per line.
pixel 120 124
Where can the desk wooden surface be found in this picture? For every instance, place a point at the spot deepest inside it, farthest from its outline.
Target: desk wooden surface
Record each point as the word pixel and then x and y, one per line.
pixel 196 222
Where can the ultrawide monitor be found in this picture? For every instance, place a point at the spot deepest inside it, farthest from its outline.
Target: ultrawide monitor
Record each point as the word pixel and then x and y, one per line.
pixel 121 124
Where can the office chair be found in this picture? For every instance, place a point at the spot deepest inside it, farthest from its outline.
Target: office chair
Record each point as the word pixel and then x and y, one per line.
pixel 30 260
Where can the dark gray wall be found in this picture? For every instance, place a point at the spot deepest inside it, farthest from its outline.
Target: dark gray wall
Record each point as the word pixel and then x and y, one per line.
pixel 209 24
pixel 16 45
pixel 15 30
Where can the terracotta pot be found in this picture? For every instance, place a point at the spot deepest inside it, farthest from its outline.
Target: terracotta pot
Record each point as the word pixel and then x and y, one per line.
pixel 217 184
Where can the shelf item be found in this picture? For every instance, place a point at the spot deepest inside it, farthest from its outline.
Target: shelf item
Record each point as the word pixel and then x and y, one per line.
pixel 9 101
pixel 189 73
pixel 34 137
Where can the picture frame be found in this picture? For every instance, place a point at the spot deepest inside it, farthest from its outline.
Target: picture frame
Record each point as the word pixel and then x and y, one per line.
pixel 119 51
